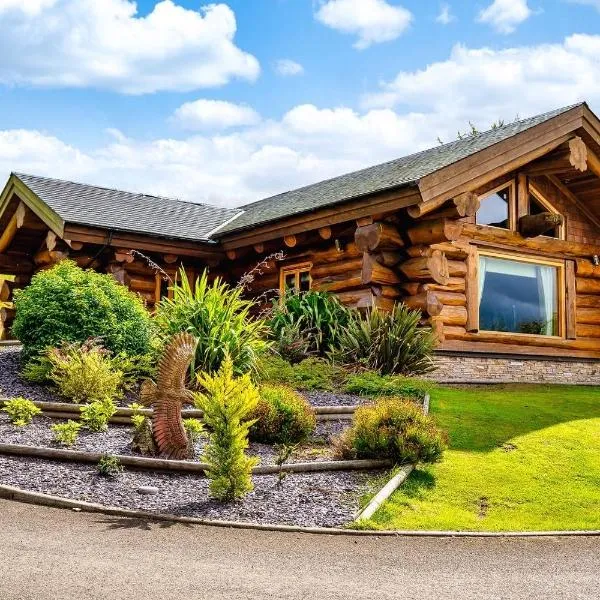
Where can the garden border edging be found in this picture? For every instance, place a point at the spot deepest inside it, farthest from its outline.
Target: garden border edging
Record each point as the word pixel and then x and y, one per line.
pixel 15 494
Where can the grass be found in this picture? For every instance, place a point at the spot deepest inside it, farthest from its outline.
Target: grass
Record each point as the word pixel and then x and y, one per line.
pixel 521 458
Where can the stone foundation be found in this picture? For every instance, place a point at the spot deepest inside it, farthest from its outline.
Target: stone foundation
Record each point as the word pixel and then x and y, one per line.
pixel 495 369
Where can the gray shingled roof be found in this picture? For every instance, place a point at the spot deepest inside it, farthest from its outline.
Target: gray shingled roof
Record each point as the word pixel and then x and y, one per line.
pixel 396 173
pixel 81 204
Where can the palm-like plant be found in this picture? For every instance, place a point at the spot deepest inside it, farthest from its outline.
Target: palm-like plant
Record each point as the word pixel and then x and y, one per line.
pixel 217 315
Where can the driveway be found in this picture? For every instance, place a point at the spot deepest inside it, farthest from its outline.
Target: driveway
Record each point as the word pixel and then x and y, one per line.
pixel 49 553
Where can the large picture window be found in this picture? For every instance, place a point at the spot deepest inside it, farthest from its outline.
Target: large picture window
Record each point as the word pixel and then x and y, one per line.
pixel 519 296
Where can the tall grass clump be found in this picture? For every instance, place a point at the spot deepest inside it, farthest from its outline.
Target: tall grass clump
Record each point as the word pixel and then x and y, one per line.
pixel 387 342
pixel 227 403
pixel 308 323
pixel 220 318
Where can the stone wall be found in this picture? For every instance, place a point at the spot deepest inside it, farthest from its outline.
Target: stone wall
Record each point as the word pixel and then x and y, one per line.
pixel 495 369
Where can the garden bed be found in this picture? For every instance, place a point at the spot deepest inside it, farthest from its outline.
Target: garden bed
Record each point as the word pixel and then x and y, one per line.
pixel 311 499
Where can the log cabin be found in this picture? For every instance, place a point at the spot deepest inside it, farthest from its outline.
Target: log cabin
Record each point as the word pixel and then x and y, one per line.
pixel 495 238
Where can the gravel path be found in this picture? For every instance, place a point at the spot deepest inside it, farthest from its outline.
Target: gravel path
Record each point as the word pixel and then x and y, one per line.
pixel 318 398
pixel 11 384
pixel 307 499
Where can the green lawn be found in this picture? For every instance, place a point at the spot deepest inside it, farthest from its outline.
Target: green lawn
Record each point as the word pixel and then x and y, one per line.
pixel 520 458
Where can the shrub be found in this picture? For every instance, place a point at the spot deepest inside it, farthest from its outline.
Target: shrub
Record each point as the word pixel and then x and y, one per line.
pixel 227 404
pixel 194 429
pixel 136 368
pixel 392 428
pixel 387 342
pixel 374 385
pixel 68 304
pixel 84 372
pixel 95 416
pixel 37 370
pixel 21 411
pixel 308 322
pixel 282 416
pixel 218 316
pixel 109 466
pixel 66 433
pixel 310 374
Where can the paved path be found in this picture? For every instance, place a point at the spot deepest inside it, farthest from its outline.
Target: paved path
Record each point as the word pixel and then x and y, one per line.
pixel 49 553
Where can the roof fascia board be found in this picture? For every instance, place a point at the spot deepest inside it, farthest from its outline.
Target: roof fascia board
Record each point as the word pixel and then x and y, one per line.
pixel 15 186
pixel 387 201
pixel 500 158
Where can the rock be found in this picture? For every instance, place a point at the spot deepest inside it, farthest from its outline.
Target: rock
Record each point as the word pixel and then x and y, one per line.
pixel 147 490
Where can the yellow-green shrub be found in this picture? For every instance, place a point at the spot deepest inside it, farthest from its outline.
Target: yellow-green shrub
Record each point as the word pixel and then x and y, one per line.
pixel 66 433
pixel 84 373
pixel 95 416
pixel 21 411
pixel 282 416
pixel 393 428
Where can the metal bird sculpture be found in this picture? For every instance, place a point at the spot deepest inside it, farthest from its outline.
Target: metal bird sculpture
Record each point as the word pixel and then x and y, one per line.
pixel 168 395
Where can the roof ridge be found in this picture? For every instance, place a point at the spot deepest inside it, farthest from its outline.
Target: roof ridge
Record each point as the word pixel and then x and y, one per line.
pixel 121 191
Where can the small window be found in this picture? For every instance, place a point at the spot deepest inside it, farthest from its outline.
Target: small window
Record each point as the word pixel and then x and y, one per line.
pixel 494 209
pixel 519 297
pixel 295 278
pixel 536 206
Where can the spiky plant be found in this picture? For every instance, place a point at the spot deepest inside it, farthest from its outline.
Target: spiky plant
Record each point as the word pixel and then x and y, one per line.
pixel 227 402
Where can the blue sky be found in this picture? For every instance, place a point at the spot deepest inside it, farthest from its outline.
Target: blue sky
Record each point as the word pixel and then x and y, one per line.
pixel 243 99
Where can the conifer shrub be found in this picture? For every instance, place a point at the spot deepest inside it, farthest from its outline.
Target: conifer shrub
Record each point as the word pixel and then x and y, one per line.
pixel 228 402
pixel 374 385
pixel 387 342
pixel 66 434
pixel 220 319
pixel 67 304
pixel 21 411
pixel 84 372
pixel 282 416
pixel 96 415
pixel 392 428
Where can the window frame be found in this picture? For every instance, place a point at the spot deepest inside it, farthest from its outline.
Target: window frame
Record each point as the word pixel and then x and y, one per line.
pixel 561 291
pixel 535 191
pixel 512 204
pixel 295 269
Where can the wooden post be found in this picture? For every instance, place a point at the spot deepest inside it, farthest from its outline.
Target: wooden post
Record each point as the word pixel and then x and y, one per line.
pixel 570 301
pixel 472 291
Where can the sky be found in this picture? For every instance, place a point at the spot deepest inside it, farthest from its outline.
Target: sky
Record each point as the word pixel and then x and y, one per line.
pixel 230 102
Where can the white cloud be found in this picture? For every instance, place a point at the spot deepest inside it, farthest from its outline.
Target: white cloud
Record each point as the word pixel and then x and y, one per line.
pixel 505 15
pixel 374 21
pixel 311 143
pixel 214 114
pixel 445 16
pixel 287 67
pixel 88 43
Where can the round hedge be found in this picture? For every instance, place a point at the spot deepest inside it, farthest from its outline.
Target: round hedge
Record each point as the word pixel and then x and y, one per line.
pixel 67 304
pixel 282 416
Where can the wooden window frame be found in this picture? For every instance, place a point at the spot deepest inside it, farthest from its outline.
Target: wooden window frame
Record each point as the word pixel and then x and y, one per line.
pixel 561 282
pixel 512 204
pixel 296 269
pixel 535 191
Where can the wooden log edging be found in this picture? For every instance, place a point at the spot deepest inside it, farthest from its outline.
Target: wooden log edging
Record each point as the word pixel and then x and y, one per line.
pixel 184 466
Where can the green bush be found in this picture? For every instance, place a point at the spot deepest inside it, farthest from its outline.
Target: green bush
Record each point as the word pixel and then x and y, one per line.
pixel 109 466
pixel 96 415
pixel 373 385
pixel 21 411
pixel 227 404
pixel 84 372
pixel 37 370
pixel 66 433
pixel 282 416
pixel 307 323
pixel 387 342
pixel 68 304
pixel 309 374
pixel 218 316
pixel 393 428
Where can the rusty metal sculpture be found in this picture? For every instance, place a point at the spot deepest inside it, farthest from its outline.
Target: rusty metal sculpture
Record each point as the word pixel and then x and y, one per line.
pixel 168 395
